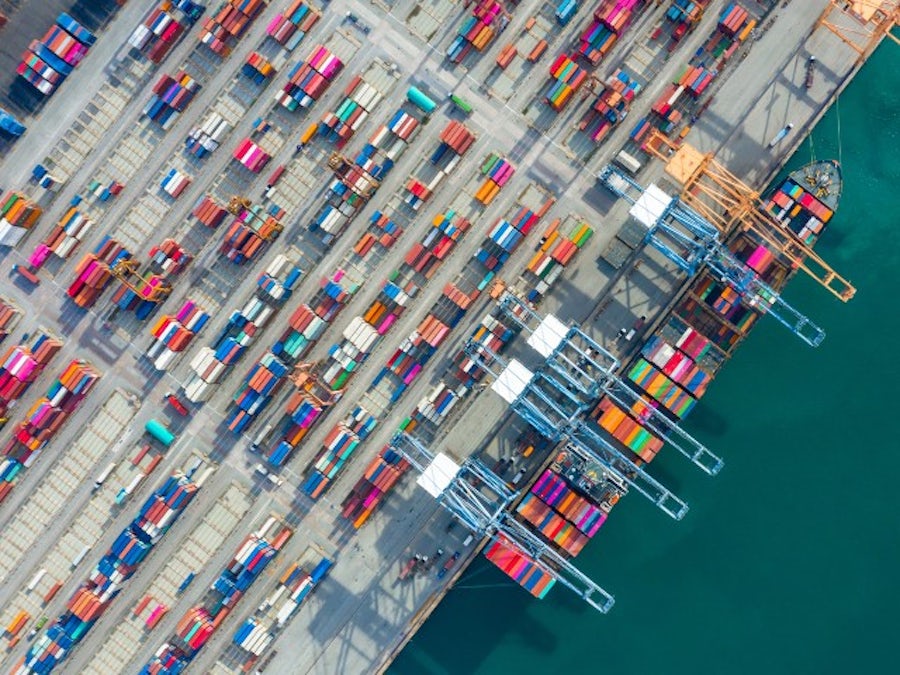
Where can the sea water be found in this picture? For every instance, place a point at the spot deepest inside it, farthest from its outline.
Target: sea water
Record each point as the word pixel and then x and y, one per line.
pixel 789 560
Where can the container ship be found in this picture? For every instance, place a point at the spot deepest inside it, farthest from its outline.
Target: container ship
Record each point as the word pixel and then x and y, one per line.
pixel 670 372
pixel 806 200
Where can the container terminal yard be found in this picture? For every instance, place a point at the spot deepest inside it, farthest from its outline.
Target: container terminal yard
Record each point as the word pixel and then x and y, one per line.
pixel 306 305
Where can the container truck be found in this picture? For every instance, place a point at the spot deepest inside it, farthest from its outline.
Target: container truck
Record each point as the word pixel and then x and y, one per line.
pixel 160 432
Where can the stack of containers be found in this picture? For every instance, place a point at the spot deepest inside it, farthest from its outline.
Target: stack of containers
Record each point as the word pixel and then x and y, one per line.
pixel 666 106
pixel 206 138
pixel 506 56
pixel 292 25
pixel 141 294
pixel 695 79
pixel 174 183
pixel 229 23
pixel 241 242
pixel 360 99
pixel 685 14
pixel 387 307
pixel 259 387
pixel 504 238
pixel 725 301
pixel 610 20
pixel 258 68
pixel 553 490
pixel 628 429
pixel 427 255
pixel 555 528
pixel 676 365
pixel 208 212
pixel 161 30
pixel 70 231
pixel 346 356
pixel 377 481
pixel 173 333
pixel 552 257
pixel 567 78
pixel 565 10
pixel 169 258
pixel 519 567
pixel 93 272
pixel 308 81
pixel 48 61
pixel 46 416
pixel 199 623
pixel 9 317
pixel 21 365
pixel 18 214
pixel 101 191
pixel 493 334
pixel 105 581
pixel 171 96
pixel 476 31
pixel 611 106
pixel 251 155
pixel 497 171
pixel 435 406
pixel 338 447
pixel 455 137
pixel 294 585
pixel 407 361
pixel 382 230
pixel 732 19
pixel 659 387
pixel 302 412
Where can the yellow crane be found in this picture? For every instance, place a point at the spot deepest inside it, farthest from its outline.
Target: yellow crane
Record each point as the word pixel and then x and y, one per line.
pixel 126 271
pixel 861 24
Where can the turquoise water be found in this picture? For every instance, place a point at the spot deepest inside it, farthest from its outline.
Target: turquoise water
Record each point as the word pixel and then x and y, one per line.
pixel 789 560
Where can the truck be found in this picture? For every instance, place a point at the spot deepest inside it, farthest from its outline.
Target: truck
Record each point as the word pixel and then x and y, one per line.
pixel 810 71
pixel 176 403
pixel 160 432
pixel 460 104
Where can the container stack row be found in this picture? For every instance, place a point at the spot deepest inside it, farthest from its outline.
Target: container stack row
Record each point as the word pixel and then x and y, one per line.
pixel 308 80
pixel 174 183
pixel 171 97
pixel 88 603
pixel 294 586
pixel 725 301
pixel 695 79
pixel 199 623
pixel 610 20
pixel 9 317
pixel 554 491
pixel 676 365
pixel 407 361
pixel 359 339
pixel 21 365
pixel 504 238
pixel 733 19
pixel 49 60
pixel 173 333
pixel 497 172
pixel 552 257
pixel 627 428
pixel 251 155
pixel 382 231
pixel 610 107
pixel 360 99
pixel 567 77
pixel 208 212
pixel 662 389
pixel 476 31
pixel 456 139
pixel 427 255
pixel 169 258
pixel 301 414
pixel 338 447
pixel 377 481
pixel 258 68
pixel 92 274
pixel 245 237
pixel 220 31
pixel 565 10
pixel 207 137
pixel 70 231
pixel 437 404
pixel 18 214
pixel 291 26
pixel 494 334
pixel 163 28
pixel 519 567
pixel 262 382
pixel 44 419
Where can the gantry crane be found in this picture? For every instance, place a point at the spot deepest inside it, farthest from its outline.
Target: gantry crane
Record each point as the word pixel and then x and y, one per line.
pixel 547 400
pixel 480 500
pixel 305 379
pixel 728 203
pixel 342 166
pixel 590 371
pixel 126 271
pixel 861 24
pixel 690 241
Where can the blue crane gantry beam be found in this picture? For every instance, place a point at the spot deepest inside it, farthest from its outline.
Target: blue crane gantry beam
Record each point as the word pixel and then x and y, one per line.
pixel 546 403
pixel 480 499
pixel 690 241
pixel 594 373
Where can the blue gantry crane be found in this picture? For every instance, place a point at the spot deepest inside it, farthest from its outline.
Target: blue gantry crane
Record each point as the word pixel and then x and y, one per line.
pixel 480 499
pixel 590 371
pixel 690 241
